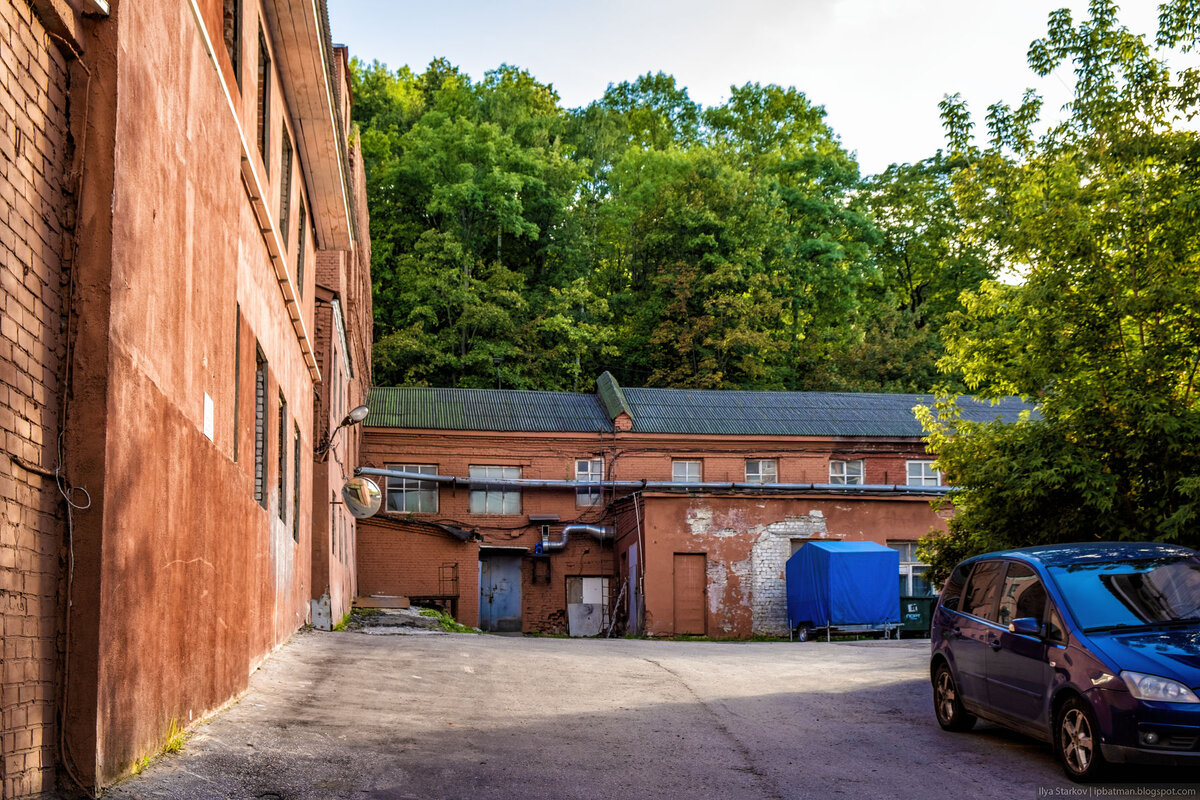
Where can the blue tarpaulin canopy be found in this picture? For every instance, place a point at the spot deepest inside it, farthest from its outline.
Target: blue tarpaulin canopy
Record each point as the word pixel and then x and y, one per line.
pixel 843 583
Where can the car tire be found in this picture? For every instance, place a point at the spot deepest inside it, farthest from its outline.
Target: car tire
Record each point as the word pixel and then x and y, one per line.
pixel 947 705
pixel 1077 742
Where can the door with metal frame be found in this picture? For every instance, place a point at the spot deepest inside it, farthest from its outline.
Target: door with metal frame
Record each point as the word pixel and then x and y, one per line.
pixel 690 583
pixel 500 592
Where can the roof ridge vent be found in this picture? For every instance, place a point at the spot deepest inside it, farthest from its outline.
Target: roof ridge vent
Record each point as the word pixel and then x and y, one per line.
pixel 613 398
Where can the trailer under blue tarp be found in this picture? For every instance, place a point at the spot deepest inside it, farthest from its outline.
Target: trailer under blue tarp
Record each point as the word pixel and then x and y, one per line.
pixel 832 584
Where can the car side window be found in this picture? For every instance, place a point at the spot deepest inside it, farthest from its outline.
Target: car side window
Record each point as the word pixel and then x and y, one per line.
pixel 1023 595
pixel 979 597
pixel 952 591
pixel 1056 631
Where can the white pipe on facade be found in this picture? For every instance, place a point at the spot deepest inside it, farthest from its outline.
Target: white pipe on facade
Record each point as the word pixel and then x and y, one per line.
pixel 644 485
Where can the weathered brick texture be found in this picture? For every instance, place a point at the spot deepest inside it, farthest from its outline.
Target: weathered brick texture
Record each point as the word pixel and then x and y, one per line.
pixel 33 159
pixel 769 555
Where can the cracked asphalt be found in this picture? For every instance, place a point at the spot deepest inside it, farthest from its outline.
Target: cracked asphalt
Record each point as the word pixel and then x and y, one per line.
pixel 350 715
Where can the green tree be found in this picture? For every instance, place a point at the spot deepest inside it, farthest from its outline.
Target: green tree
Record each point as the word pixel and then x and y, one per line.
pixel 1100 216
pixel 474 244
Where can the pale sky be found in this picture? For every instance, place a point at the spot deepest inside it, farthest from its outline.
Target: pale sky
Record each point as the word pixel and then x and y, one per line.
pixel 879 67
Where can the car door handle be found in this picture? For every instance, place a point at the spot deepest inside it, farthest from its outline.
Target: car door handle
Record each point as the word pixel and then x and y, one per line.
pixel 995 643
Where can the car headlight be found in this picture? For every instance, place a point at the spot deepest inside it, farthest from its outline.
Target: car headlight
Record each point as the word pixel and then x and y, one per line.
pixel 1152 687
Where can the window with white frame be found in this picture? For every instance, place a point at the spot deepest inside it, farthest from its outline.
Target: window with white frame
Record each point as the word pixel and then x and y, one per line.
pixel 922 473
pixel 412 494
pixel 495 499
pixel 846 472
pixel 761 470
pixel 912 571
pixel 589 470
pixel 686 472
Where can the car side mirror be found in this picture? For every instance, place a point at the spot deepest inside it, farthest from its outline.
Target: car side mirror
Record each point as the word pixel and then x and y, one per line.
pixel 1026 626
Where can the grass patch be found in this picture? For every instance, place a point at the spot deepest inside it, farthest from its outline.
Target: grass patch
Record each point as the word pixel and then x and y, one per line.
pixel 341 626
pixel 176 736
pixel 447 622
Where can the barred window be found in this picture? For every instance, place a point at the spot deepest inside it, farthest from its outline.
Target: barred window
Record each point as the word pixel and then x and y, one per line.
pixel 283 433
pixel 231 27
pixel 260 429
pixel 300 249
pixel 264 97
pixel 296 483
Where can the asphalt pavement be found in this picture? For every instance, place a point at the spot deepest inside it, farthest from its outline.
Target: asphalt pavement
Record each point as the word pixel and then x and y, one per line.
pixel 352 715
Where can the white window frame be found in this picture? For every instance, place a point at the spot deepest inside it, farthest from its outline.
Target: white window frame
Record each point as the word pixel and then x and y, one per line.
pixel 760 474
pixel 425 492
pixel 685 470
pixel 841 474
pixel 928 476
pixel 589 470
pixel 910 568
pixel 495 499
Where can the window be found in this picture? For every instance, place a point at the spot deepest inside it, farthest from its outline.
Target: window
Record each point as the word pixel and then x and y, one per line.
pixel 912 571
pixel 495 499
pixel 296 483
pixel 260 429
pixel 979 598
pixel 412 494
pixel 761 471
pixel 589 471
pixel 1022 596
pixel 685 471
pixel 283 432
pixel 237 379
pixel 231 27
pixel 922 473
pixel 301 248
pixel 846 473
pixel 264 97
pixel 285 186
pixel 952 591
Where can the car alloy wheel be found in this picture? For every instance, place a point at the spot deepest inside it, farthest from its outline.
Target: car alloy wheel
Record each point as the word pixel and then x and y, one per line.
pixel 946 703
pixel 1078 742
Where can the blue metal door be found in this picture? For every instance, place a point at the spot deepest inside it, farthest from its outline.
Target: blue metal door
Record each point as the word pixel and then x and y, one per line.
pixel 500 592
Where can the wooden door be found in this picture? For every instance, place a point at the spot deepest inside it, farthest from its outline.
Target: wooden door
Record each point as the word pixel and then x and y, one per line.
pixel 690 582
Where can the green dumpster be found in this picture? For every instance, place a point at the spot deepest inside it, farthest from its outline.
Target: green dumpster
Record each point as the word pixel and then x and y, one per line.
pixel 914 614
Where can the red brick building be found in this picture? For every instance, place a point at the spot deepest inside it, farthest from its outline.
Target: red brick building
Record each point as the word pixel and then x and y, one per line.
pixel 664 511
pixel 180 214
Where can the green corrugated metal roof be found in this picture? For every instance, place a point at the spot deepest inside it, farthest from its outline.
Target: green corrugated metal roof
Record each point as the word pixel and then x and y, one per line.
pixel 720 412
pixel 682 411
pixel 486 410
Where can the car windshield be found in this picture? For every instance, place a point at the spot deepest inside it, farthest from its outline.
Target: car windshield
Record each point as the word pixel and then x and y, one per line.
pixel 1119 594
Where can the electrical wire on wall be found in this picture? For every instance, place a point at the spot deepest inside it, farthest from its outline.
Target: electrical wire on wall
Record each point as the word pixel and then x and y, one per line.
pixel 65 489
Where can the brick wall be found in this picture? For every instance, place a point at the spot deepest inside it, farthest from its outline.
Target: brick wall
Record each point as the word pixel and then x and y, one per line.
pixel 769 557
pixel 33 161
pixel 399 560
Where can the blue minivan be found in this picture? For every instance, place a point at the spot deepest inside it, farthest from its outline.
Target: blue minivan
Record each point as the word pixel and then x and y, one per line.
pixel 1094 648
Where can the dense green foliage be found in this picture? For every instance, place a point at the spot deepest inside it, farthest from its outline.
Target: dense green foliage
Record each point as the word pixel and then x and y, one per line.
pixel 1101 216
pixel 521 244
